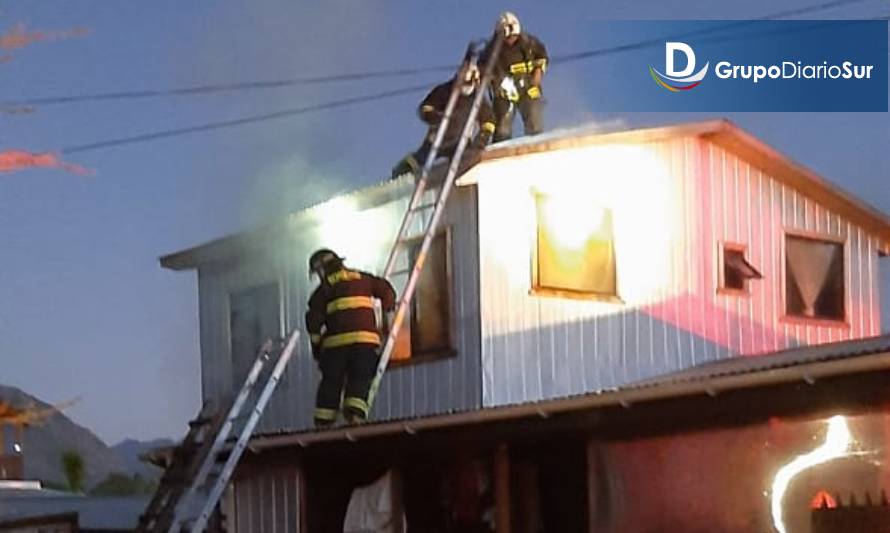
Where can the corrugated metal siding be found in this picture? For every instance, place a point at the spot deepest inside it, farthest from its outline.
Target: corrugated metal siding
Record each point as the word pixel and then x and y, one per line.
pixel 266 503
pixel 418 389
pixel 758 210
pixel 537 347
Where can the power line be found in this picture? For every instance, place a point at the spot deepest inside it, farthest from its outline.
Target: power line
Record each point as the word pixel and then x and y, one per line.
pixel 369 98
pixel 396 73
pixel 228 87
pixel 246 120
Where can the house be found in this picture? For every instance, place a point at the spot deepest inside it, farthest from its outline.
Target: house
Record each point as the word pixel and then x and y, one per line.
pixel 580 281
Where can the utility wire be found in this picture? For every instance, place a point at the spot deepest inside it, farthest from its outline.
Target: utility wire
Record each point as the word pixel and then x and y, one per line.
pixel 246 120
pixel 396 73
pixel 361 99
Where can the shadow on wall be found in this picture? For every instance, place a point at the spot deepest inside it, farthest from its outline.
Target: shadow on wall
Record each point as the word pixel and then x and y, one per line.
pixel 588 354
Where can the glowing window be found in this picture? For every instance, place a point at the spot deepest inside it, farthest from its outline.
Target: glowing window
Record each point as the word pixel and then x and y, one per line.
pixel 814 278
pixel 575 249
pixel 427 331
pixel 735 270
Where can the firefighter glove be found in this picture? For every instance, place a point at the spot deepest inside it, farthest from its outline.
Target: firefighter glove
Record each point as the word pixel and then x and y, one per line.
pixel 534 92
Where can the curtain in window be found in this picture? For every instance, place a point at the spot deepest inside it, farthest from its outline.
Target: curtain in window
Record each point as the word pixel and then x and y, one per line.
pixel 809 262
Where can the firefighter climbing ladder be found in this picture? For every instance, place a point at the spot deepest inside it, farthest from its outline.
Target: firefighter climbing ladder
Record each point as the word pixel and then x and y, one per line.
pixel 179 503
pixel 416 205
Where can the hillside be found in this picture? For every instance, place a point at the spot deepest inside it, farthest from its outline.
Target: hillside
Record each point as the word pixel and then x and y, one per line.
pixel 45 443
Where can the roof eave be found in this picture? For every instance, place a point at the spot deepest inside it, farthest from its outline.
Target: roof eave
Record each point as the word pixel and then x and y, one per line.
pixel 800 178
pixel 806 373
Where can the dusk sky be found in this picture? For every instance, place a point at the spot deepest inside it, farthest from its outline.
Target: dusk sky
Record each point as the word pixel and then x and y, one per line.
pixel 85 309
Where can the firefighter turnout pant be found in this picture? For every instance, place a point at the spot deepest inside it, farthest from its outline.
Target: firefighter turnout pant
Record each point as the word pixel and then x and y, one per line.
pixel 347 372
pixel 530 109
pixel 414 161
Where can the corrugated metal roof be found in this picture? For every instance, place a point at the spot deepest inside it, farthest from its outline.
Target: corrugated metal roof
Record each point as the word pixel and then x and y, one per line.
pixel 113 513
pixel 722 132
pixel 771 361
pixel 742 372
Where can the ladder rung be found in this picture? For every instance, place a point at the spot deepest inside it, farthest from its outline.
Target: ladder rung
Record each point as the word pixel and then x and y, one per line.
pixel 400 272
pixel 421 207
pixel 200 421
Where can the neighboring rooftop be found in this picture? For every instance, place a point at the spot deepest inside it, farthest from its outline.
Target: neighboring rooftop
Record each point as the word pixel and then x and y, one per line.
pixel 96 514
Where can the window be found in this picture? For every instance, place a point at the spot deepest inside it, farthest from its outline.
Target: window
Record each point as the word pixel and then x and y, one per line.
pixel 254 316
pixel 575 251
pixel 428 325
pixel 735 270
pixel 814 278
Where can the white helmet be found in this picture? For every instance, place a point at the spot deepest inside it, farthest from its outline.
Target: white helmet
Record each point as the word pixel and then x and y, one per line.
pixel 509 24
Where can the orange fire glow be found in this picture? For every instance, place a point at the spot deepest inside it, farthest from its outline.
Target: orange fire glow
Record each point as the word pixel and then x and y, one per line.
pixel 823 499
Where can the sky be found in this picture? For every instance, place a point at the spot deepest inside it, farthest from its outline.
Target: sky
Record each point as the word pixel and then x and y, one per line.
pixel 85 309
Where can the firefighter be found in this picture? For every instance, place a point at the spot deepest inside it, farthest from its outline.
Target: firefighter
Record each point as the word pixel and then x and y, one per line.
pixel 343 331
pixel 431 111
pixel 517 78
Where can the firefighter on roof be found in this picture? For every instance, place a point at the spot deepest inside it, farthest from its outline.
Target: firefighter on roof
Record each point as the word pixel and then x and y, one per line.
pixel 431 111
pixel 343 330
pixel 517 78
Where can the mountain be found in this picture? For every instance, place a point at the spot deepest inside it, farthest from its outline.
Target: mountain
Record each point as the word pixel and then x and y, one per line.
pixel 45 443
pixel 129 451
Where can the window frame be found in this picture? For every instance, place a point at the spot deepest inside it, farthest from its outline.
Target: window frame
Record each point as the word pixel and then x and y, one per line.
pixel 722 289
pixel 450 351
pixel 786 318
pixel 230 293
pixel 536 289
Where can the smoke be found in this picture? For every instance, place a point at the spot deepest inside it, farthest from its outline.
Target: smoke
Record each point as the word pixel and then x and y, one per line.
pixel 285 186
pixel 293 163
pixel 18 160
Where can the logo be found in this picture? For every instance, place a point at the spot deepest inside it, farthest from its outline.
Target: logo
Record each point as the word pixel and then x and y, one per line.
pixel 683 80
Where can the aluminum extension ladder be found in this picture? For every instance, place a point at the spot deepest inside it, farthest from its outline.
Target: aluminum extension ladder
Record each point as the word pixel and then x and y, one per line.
pixel 416 206
pixel 180 503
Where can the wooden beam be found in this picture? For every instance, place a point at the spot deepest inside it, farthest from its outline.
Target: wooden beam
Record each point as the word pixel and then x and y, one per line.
pixel 502 489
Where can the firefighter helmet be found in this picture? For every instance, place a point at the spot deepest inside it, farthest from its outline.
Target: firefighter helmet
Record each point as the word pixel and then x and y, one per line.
pixel 323 259
pixel 509 24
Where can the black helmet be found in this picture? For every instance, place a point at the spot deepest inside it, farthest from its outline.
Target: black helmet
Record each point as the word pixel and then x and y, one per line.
pixel 323 259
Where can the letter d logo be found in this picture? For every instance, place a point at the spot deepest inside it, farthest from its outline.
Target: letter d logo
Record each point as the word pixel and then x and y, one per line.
pixel 684 78
pixel 670 50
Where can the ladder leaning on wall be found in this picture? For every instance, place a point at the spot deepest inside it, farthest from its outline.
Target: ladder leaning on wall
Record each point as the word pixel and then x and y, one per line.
pixel 203 463
pixel 417 209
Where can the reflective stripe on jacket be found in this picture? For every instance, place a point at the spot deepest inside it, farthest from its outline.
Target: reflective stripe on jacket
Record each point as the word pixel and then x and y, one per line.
pixel 341 309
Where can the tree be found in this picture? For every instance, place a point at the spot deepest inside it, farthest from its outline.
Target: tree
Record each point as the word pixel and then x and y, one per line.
pixel 117 484
pixel 75 470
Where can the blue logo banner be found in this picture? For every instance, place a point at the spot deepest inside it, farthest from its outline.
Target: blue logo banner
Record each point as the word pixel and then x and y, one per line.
pixel 812 65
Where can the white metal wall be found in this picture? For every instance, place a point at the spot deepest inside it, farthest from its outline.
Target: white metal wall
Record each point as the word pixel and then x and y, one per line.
pixel 416 389
pixel 672 202
pixel 267 502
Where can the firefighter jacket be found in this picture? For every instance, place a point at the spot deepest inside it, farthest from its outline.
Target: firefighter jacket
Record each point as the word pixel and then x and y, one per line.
pixel 517 62
pixel 341 309
pixel 432 109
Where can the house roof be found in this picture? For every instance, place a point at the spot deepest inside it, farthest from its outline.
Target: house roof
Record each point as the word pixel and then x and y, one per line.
pixel 722 132
pixel 95 513
pixel 807 364
pixel 725 134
